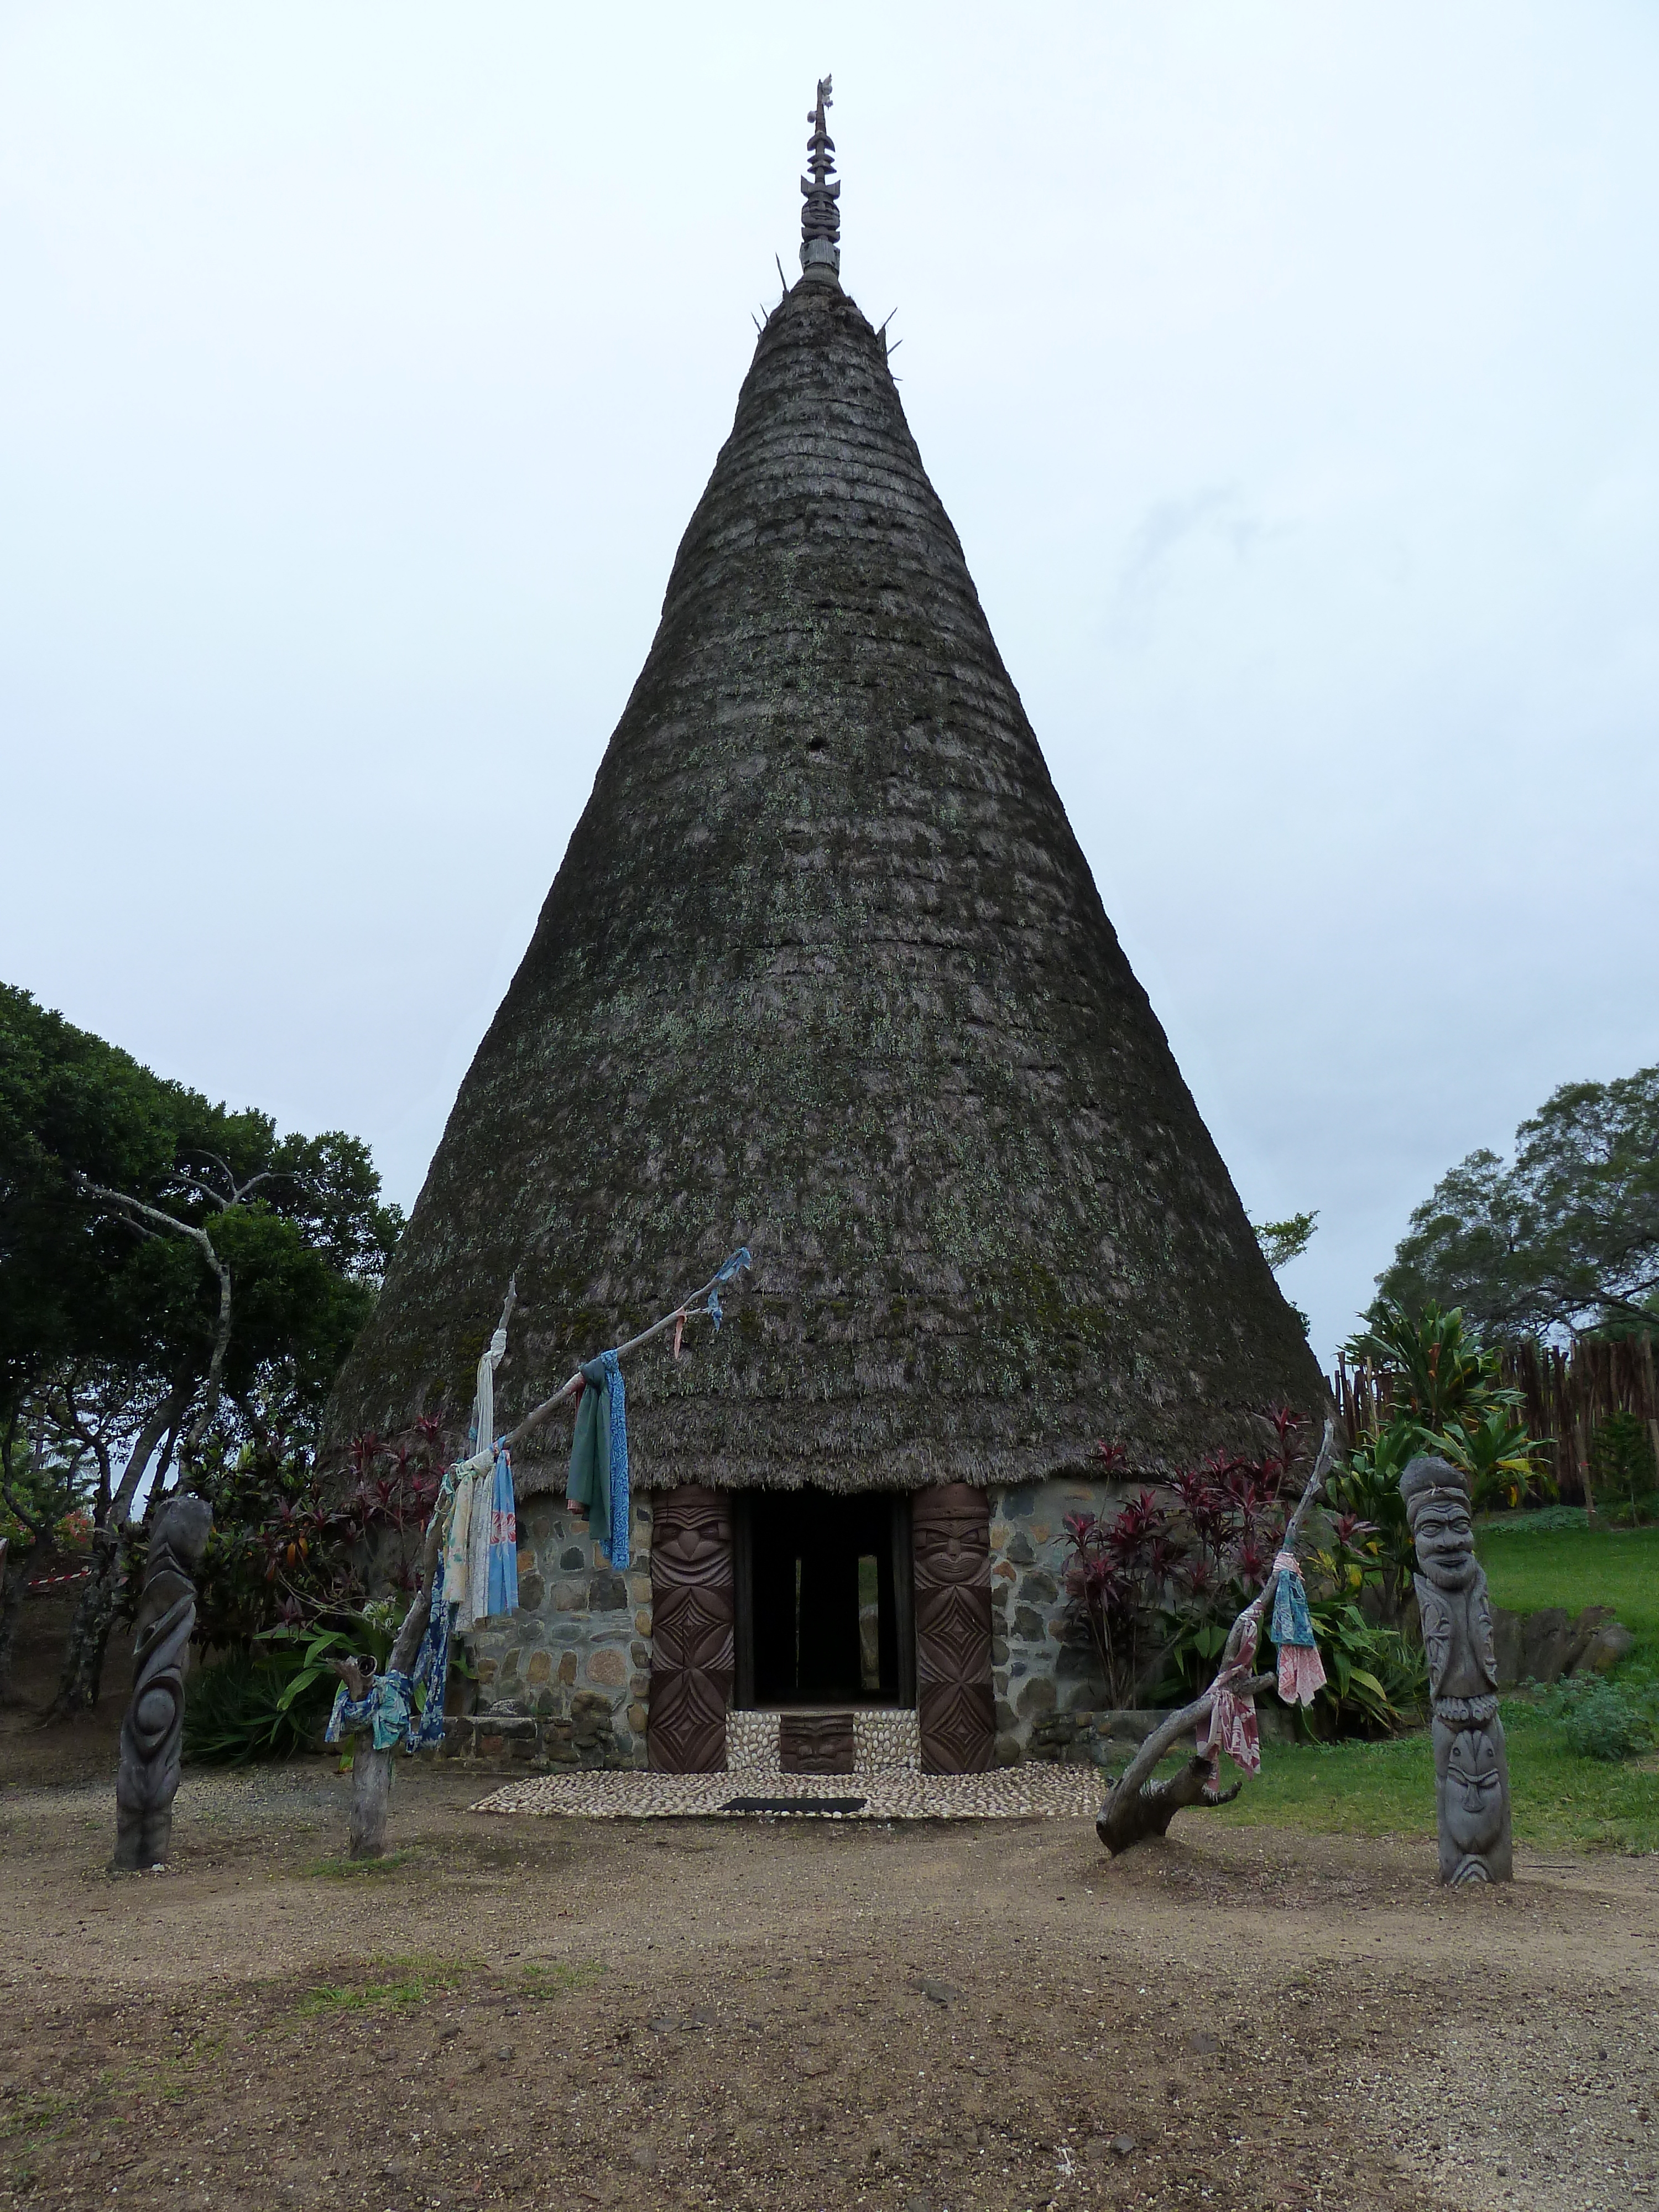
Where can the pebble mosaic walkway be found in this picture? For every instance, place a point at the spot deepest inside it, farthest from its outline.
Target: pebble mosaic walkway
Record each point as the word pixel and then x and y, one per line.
pixel 1011 1792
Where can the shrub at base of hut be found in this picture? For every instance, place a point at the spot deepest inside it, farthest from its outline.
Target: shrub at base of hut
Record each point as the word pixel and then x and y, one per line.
pixel 1157 1587
pixel 292 1548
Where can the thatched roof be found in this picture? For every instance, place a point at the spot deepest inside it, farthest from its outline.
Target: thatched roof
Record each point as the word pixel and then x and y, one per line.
pixel 825 972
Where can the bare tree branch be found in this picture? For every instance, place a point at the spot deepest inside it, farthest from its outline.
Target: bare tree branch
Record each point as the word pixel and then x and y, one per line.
pixel 1141 1766
pixel 135 1207
pixel 8 1447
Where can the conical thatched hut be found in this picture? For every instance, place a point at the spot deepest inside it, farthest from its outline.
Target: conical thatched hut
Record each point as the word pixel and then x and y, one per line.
pixel 825 972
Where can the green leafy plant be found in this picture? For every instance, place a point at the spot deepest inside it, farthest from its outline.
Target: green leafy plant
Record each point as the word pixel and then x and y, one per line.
pixel 1622 1462
pixel 241 1708
pixel 1605 1717
pixel 1439 1393
pixel 1374 1680
pixel 274 1699
pixel 1368 1489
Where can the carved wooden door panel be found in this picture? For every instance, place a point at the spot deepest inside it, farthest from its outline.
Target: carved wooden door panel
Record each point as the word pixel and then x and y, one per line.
pixel 950 1545
pixel 693 1631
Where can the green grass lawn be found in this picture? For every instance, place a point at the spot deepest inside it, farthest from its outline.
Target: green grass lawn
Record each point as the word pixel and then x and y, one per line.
pixel 1388 1789
pixel 1577 1567
pixel 1557 1798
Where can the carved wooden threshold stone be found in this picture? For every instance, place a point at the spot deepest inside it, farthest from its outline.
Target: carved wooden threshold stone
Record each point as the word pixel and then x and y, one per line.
pixel 815 1743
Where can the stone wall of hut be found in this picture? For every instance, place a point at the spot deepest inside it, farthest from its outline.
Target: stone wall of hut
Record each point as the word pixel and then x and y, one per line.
pixel 1042 1665
pixel 564 1682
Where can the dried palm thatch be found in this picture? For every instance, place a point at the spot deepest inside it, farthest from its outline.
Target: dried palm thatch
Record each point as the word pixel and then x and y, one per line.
pixel 825 972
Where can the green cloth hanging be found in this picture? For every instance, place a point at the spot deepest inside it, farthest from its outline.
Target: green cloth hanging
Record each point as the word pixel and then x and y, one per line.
pixel 588 1483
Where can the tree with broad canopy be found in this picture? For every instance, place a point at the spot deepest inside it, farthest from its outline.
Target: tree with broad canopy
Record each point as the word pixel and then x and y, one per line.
pixel 165 1262
pixel 1563 1240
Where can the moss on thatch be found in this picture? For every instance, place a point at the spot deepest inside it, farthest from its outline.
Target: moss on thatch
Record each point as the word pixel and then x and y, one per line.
pixel 825 972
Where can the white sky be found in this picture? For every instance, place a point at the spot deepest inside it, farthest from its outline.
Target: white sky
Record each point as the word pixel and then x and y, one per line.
pixel 1289 372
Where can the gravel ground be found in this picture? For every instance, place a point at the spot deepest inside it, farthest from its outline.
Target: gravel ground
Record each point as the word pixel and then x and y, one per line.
pixel 931 2017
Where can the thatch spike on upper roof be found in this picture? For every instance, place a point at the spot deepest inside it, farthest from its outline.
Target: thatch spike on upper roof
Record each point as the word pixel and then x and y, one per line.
pixel 820 219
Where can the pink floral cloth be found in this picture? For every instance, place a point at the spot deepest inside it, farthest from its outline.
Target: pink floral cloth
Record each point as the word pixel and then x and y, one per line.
pixel 1301 1674
pixel 1233 1726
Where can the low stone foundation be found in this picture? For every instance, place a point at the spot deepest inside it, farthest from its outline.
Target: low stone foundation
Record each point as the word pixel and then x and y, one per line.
pixel 567 1678
pixel 1042 1663
pixel 584 1738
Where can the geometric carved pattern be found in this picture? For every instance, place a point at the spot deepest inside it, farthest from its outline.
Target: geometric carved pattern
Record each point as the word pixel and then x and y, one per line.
pixel 815 1743
pixel 950 1547
pixel 693 1631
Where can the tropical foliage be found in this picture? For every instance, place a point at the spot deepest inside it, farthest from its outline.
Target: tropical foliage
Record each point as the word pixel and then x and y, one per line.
pixel 290 1552
pixel 1441 1393
pixel 1157 1586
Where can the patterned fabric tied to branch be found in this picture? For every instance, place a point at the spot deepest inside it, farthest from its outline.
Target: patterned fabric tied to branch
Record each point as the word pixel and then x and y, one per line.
pixel 738 1261
pixel 431 1670
pixel 386 1707
pixel 1233 1726
pixel 1301 1672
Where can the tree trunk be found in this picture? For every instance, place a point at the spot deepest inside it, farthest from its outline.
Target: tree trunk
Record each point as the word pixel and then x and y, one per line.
pixel 82 1671
pixel 89 1636
pixel 1124 1821
pixel 13 1583
pixel 371 1797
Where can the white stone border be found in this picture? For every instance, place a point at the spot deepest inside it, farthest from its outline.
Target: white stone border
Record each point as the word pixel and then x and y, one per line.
pixel 1018 1793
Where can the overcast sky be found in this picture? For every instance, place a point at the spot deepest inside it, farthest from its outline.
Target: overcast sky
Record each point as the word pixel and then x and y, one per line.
pixel 1289 373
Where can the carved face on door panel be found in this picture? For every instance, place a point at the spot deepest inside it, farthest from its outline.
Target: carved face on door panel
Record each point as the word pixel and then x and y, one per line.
pixel 693 1641
pixel 950 1535
pixel 950 1548
pixel 694 1544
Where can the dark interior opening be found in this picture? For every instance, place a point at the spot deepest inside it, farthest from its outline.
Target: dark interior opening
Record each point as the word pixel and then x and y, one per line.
pixel 821 1598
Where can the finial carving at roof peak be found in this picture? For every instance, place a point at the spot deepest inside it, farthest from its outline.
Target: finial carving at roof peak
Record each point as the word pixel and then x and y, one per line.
pixel 820 219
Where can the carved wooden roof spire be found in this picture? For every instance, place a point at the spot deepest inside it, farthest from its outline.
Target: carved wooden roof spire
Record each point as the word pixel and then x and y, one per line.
pixel 820 219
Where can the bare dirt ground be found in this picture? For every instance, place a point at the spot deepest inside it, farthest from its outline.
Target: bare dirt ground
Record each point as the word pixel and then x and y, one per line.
pixel 550 2013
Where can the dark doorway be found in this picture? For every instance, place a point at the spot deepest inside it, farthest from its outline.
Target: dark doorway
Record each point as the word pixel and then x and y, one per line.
pixel 823 1599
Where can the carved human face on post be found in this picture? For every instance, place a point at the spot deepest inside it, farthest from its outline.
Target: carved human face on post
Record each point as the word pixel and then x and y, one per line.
pixel 1444 1534
pixel 1472 1797
pixel 1438 1507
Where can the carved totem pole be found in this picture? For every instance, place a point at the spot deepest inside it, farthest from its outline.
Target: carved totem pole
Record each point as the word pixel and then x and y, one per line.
pixel 146 1780
pixel 1471 1769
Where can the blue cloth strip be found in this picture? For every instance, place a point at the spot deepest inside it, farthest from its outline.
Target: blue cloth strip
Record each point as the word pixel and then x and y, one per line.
pixel 1292 1622
pixel 620 1515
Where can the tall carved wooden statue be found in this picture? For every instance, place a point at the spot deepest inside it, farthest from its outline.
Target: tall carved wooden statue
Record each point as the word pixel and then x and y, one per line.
pixel 951 1545
pixel 1471 1766
pixel 147 1780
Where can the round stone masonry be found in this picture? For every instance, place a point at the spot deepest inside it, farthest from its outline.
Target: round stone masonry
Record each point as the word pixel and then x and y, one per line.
pixel 574 1660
